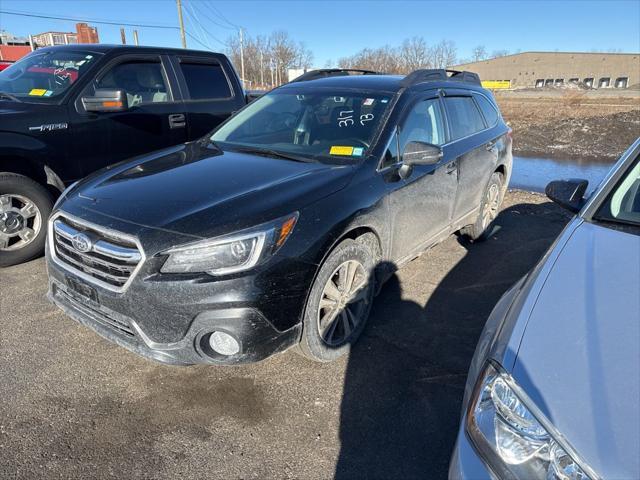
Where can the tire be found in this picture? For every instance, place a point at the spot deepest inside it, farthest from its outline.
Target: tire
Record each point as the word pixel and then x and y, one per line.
pixel 25 206
pixel 347 319
pixel 489 209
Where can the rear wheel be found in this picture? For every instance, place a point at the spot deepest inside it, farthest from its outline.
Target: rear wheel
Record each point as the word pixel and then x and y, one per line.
pixel 489 209
pixel 25 206
pixel 339 303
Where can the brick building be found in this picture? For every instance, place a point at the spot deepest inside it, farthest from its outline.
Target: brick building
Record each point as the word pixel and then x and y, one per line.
pixel 83 34
pixel 548 69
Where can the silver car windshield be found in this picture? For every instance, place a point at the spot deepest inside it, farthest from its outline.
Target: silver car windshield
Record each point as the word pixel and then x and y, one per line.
pixel 623 204
pixel 333 126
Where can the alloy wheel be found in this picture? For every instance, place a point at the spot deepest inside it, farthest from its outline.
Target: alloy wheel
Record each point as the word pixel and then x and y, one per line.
pixel 491 207
pixel 343 303
pixel 20 222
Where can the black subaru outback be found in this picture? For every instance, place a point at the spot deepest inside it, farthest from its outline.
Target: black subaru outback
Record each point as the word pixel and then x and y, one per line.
pixel 276 229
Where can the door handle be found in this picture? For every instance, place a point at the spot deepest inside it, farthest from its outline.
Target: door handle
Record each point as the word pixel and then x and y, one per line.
pixel 177 120
pixel 451 167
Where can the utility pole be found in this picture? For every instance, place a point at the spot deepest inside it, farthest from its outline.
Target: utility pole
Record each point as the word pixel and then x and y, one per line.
pixel 183 37
pixel 261 69
pixel 135 37
pixel 271 69
pixel 123 36
pixel 241 57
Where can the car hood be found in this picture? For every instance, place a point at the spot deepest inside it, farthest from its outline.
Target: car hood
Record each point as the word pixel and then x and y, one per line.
pixel 579 355
pixel 201 191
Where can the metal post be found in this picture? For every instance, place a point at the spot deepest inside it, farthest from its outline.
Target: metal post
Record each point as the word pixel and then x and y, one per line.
pixel 135 37
pixel 261 69
pixel 183 36
pixel 123 37
pixel 241 57
pixel 271 70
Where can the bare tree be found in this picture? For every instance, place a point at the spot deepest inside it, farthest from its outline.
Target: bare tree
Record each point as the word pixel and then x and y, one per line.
pixel 414 54
pixel 499 53
pixel 267 57
pixel 443 54
pixel 478 53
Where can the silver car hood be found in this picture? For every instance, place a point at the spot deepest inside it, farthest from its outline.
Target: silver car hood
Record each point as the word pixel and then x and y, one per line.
pixel 579 358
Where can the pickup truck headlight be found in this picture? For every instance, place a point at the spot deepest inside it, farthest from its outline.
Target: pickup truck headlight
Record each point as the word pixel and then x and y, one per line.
pixel 514 438
pixel 231 253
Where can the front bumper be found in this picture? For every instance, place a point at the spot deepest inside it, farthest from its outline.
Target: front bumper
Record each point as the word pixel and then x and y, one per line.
pixel 126 320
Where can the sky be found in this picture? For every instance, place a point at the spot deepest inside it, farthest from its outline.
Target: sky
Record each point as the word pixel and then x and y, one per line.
pixel 335 29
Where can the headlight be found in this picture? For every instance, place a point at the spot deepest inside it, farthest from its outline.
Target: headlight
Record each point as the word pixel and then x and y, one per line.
pixel 231 253
pixel 514 437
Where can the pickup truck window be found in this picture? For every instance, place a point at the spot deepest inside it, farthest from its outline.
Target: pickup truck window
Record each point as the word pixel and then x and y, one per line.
pixel 45 76
pixel 205 81
pixel 464 117
pixel 142 81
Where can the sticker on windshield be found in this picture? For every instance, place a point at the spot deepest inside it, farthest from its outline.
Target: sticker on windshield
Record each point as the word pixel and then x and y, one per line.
pixel 357 152
pixel 37 92
pixel 48 93
pixel 368 101
pixel 384 100
pixel 341 150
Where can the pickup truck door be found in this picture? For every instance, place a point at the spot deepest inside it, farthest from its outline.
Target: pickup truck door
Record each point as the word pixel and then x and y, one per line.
pixel 155 118
pixel 420 205
pixel 211 91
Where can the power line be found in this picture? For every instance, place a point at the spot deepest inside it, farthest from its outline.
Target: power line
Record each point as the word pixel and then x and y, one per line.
pixel 194 19
pixel 221 16
pixel 197 7
pixel 76 19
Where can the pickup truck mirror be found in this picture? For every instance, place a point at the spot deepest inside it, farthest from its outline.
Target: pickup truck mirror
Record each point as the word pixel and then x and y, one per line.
pixel 568 194
pixel 421 153
pixel 106 100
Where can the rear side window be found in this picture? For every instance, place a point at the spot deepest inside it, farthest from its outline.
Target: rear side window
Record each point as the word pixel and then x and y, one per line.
pixel 205 81
pixel 488 110
pixel 464 116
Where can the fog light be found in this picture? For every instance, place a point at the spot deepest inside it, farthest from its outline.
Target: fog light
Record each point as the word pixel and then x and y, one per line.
pixel 223 343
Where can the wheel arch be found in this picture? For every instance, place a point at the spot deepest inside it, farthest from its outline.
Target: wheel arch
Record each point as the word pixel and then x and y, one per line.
pixel 33 169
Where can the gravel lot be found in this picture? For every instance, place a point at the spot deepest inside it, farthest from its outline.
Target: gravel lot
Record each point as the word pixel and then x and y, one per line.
pixel 75 406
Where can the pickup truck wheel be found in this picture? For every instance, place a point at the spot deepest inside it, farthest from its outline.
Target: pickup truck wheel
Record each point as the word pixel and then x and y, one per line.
pixel 339 303
pixel 25 206
pixel 489 209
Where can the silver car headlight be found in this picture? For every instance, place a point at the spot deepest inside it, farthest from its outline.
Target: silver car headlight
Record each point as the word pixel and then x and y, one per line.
pixel 231 253
pixel 513 436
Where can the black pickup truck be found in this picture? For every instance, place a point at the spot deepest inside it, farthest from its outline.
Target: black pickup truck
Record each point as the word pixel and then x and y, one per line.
pixel 67 111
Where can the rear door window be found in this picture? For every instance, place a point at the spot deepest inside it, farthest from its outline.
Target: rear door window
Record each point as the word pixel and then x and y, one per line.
pixel 205 81
pixel 464 117
pixel 488 110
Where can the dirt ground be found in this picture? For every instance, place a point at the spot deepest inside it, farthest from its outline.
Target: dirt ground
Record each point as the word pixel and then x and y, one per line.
pixel 592 125
pixel 76 406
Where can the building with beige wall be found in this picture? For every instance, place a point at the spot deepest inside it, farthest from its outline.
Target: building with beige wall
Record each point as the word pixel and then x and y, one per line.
pixel 540 69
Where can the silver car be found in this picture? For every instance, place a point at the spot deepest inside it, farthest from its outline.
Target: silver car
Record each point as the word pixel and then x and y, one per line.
pixel 553 390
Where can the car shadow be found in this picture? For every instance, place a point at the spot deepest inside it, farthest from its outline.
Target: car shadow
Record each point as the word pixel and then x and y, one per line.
pixel 405 376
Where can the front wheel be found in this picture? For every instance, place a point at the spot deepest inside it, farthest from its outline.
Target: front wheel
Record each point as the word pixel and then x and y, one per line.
pixel 25 206
pixel 489 209
pixel 339 302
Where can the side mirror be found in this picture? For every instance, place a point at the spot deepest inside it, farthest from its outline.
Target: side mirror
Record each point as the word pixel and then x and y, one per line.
pixel 421 153
pixel 106 100
pixel 568 194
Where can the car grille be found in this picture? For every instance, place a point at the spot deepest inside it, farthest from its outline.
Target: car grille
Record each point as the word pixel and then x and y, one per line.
pixel 105 258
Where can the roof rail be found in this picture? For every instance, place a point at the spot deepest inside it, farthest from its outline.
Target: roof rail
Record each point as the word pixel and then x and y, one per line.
pixel 332 72
pixel 435 74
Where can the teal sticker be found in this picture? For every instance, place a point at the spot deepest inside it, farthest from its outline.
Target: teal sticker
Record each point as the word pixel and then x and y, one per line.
pixel 357 152
pixel 48 93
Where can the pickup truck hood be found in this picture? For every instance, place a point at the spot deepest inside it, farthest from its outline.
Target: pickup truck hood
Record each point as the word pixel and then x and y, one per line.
pixel 579 355
pixel 200 191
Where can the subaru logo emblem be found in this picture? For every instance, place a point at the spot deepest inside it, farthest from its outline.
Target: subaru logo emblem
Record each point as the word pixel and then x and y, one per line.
pixel 82 243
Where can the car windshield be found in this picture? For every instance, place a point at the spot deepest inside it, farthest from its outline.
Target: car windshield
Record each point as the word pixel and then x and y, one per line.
pixel 44 76
pixel 319 125
pixel 623 204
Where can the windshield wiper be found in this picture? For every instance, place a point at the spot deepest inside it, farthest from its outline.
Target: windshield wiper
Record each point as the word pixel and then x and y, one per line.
pixel 271 153
pixel 9 96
